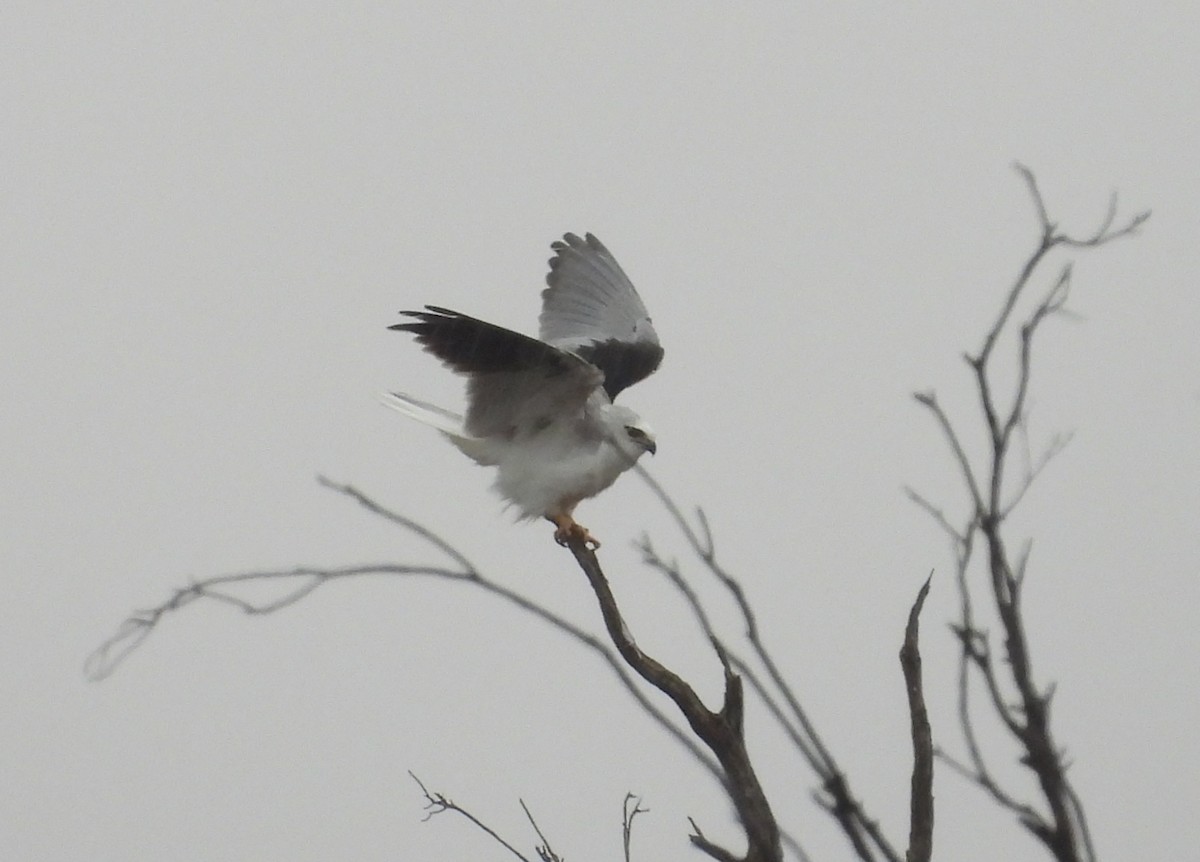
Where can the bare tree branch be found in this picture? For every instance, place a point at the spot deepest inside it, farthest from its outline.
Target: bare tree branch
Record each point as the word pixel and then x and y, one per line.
pixel 139 625
pixel 920 833
pixel 934 512
pixel 420 530
pixel 721 731
pixel 673 574
pixel 630 808
pixel 929 400
pixel 836 797
pixel 1064 830
pixel 1057 444
pixel 716 851
pixel 543 850
pixel 976 776
pixel 1051 304
pixel 1007 680
pixel 436 803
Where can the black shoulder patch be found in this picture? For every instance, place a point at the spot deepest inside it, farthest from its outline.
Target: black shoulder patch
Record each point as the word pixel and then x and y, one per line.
pixel 624 363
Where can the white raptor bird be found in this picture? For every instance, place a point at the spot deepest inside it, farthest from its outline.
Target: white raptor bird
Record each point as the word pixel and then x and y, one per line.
pixel 541 410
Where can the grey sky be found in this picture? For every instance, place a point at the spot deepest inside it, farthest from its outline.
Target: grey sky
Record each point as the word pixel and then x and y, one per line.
pixel 210 216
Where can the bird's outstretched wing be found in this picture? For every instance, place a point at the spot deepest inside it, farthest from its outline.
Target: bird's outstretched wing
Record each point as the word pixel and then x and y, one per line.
pixel 592 309
pixel 517 384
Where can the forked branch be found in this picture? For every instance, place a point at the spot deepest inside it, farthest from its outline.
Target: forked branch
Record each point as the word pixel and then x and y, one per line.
pixel 1062 828
pixel 295 584
pixel 722 730
pixel 437 803
pixel 835 796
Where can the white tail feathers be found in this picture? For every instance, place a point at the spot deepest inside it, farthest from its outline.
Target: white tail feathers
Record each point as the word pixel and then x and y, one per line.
pixel 424 412
pixel 450 424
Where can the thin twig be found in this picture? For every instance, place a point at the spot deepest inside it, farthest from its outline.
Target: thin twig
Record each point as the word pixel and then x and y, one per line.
pixel 929 400
pixel 436 803
pixel 1024 811
pixel 934 512
pixel 630 808
pixel 675 576
pixel 107 657
pixel 544 850
pixel 861 830
pixel 140 625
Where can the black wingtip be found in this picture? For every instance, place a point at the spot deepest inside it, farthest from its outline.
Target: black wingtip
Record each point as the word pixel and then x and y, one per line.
pixel 431 314
pixel 407 326
pixel 472 346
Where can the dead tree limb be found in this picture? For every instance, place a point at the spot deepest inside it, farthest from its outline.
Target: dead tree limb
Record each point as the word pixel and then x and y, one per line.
pixel 920 832
pixel 1006 676
pixel 722 731
pixel 835 796
pixel 299 582
pixel 437 803
pixel 630 809
pixel 1058 822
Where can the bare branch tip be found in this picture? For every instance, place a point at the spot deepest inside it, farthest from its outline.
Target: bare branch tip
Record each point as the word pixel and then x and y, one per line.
pixel 1036 193
pixel 708 546
pixel 420 783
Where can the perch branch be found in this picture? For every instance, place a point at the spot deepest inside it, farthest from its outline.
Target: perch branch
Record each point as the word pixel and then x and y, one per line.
pixel 722 731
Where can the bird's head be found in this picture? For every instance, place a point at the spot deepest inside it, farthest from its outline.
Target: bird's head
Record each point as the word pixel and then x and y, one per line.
pixel 630 434
pixel 641 436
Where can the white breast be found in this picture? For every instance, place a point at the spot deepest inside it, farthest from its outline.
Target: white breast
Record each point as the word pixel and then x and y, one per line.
pixel 553 471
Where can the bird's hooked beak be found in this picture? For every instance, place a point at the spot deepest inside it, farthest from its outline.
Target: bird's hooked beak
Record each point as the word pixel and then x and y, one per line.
pixel 651 447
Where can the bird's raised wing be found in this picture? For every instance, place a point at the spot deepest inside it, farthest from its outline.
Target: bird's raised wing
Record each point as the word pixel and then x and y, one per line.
pixel 517 384
pixel 592 309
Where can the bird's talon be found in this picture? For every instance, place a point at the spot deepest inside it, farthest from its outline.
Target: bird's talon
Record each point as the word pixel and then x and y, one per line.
pixel 567 530
pixel 589 541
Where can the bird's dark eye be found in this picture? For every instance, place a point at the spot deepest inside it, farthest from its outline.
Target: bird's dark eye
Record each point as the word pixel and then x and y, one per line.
pixel 635 432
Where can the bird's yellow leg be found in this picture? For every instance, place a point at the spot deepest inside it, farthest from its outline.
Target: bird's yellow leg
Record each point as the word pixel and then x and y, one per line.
pixel 567 528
